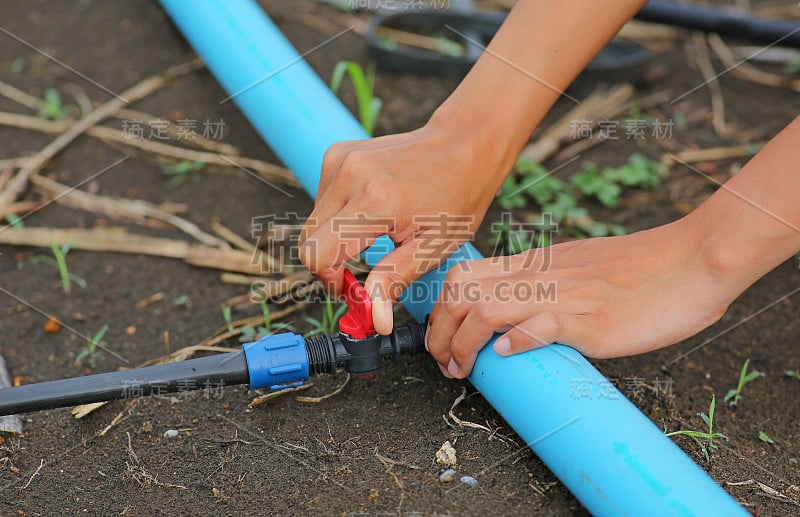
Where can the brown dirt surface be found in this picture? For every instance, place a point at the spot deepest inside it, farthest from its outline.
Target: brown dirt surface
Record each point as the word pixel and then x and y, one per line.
pixel 330 458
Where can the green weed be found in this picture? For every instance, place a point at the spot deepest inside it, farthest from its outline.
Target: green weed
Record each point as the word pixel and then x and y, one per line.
pixel 793 67
pixel 182 301
pixel 183 171
pixel 369 106
pixel 50 108
pixel 14 221
pixel 226 315
pixel 764 437
pixel 17 65
pixel 59 261
pixel 91 347
pixel 705 439
pixel 561 199
pixel 250 334
pixel 329 319
pixel 735 395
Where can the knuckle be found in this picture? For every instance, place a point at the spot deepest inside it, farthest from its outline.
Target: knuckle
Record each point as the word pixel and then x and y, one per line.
pixel 439 352
pixel 555 322
pixel 455 275
pixel 354 163
pixel 376 191
pixel 389 284
pixel 451 309
pixel 459 350
pixel 486 313
pixel 550 323
pixel 334 154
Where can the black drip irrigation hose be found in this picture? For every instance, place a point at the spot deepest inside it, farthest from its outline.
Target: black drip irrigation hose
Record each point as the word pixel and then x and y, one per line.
pixel 217 370
pixel 263 364
pixel 733 24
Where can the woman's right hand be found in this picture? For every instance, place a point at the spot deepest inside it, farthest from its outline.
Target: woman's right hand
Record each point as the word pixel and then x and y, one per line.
pixel 427 189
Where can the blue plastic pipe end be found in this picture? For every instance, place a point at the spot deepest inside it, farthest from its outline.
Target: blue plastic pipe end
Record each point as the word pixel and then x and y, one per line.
pixel 276 362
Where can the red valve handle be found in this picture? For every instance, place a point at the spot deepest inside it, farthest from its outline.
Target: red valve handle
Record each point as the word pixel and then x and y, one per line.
pixel 357 321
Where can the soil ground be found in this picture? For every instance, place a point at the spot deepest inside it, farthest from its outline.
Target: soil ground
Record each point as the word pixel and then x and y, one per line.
pixel 297 458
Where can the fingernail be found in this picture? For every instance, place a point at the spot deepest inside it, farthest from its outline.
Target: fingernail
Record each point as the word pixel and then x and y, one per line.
pixel 452 367
pixel 382 316
pixel 444 371
pixel 427 333
pixel 502 346
pixel 388 313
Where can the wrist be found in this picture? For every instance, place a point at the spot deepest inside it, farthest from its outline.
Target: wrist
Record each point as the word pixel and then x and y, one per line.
pixel 489 153
pixel 736 251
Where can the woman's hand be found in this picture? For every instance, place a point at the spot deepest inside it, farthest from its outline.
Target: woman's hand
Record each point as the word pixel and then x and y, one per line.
pixel 428 190
pixel 454 165
pixel 606 297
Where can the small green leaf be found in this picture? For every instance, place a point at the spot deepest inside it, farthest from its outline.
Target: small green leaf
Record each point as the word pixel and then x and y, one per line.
pixel 14 221
pixel 764 437
pixel 750 377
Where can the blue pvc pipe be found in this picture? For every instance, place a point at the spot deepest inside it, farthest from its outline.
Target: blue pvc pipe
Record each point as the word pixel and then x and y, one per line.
pixel 603 449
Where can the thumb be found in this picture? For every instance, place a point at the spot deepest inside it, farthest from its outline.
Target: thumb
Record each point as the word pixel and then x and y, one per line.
pixel 390 277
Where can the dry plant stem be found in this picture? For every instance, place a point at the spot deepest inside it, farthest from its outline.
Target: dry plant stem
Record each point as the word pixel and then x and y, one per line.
pixel 243 245
pixel 389 466
pixel 263 399
pixel 138 473
pixel 637 30
pixel 273 287
pixel 335 392
pixel 20 97
pixel 768 490
pixel 6 174
pixel 35 473
pixel 10 423
pixel 153 298
pixel 17 185
pixel 266 170
pixel 342 21
pixel 133 209
pixel 120 241
pixel 599 105
pixel 85 409
pixel 21 207
pixel 703 61
pixel 12 163
pixel 29 101
pixel 117 419
pixel 778 11
pixel 712 153
pixel 232 237
pixel 746 71
pixel 473 425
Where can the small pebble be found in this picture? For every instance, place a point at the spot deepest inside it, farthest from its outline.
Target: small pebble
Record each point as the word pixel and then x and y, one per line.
pixel 469 480
pixel 447 476
pixel 171 433
pixel 446 455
